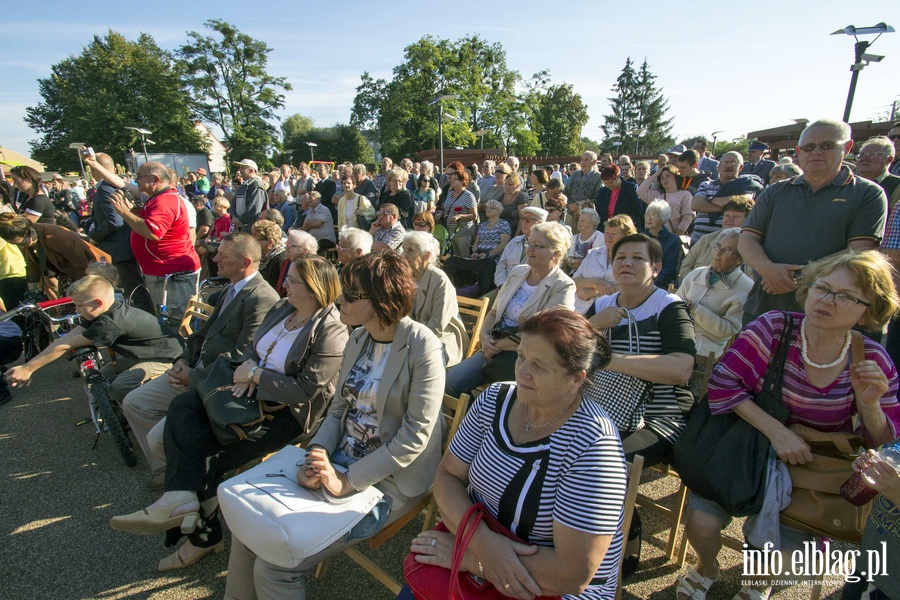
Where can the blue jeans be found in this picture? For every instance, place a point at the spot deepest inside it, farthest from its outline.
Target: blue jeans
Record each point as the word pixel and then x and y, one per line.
pixel 466 376
pixel 405 594
pixel 373 522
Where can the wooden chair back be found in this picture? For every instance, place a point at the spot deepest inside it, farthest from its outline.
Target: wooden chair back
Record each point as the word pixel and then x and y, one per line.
pixel 196 309
pixel 635 468
pixel 472 312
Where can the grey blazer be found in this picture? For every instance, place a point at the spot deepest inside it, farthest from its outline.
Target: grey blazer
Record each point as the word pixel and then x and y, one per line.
pixel 556 289
pixel 229 331
pixel 437 309
pixel 311 367
pixel 409 401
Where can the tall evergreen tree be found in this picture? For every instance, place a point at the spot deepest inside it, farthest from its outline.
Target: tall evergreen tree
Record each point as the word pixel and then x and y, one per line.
pixel 638 118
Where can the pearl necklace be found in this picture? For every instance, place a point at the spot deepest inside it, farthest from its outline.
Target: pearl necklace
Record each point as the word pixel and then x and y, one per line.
pixel 804 344
pixel 529 425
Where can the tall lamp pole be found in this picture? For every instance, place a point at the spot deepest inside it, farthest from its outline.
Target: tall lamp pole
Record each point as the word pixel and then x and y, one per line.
pixel 861 59
pixel 480 133
pixel 714 134
pixel 77 146
pixel 311 145
pixel 439 102
pixel 143 133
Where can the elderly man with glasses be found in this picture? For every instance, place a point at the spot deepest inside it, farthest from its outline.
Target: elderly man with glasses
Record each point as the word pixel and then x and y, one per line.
pixel 873 161
pixel 710 165
pixel 487 179
pixel 386 230
pixel 824 211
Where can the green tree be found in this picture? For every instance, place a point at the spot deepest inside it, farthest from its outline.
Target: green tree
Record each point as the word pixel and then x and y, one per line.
pixel 370 97
pixel 230 86
pixel 559 120
pixel 113 84
pixel 295 126
pixel 338 143
pixel 638 118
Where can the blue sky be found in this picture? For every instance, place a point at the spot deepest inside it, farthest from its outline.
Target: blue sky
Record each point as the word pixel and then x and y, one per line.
pixel 731 67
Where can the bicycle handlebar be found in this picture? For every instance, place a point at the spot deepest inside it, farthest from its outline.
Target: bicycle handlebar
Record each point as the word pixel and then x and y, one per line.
pixel 51 303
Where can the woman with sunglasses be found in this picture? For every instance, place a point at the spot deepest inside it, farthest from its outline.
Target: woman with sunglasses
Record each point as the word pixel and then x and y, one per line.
pixel 532 287
pixel 820 388
pixel 38 208
pixel 384 424
pixel 292 366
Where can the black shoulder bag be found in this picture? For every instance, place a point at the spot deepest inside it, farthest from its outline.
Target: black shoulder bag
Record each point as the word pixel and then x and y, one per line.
pixel 724 458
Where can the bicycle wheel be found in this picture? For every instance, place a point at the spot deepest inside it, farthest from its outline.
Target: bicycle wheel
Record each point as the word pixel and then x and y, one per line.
pixel 111 418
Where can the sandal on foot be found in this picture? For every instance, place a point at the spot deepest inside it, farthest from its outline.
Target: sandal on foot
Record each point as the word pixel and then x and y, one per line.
pixel 748 593
pixel 694 585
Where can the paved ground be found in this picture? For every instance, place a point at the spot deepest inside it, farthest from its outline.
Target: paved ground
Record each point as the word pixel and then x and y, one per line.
pixel 58 496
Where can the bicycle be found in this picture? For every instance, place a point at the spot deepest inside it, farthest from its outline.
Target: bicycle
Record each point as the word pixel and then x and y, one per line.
pixel 39 329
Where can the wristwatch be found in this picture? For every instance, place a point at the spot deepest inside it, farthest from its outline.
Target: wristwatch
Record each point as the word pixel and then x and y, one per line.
pixel 252 373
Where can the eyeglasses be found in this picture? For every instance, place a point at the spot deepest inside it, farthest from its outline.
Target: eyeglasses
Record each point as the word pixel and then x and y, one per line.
pixel 896 136
pixel 535 246
pixel 822 292
pixel 531 220
pixel 824 146
pixel 723 250
pixel 863 155
pixel 420 224
pixel 352 297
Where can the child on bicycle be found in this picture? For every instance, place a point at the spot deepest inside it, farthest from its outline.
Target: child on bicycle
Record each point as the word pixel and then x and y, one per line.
pixel 145 348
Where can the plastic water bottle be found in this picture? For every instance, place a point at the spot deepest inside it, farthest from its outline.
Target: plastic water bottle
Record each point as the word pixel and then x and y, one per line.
pixel 856 490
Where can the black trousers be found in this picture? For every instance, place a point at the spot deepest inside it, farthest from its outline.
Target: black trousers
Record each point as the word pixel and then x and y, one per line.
pixel 12 291
pixel 196 461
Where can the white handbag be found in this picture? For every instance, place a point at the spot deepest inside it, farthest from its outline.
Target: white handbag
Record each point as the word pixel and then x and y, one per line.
pixel 282 522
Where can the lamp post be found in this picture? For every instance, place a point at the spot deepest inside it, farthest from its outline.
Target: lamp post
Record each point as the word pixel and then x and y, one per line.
pixel 714 135
pixel 861 59
pixel 77 146
pixel 480 133
pixel 311 145
pixel 637 142
pixel 440 104
pixel 143 133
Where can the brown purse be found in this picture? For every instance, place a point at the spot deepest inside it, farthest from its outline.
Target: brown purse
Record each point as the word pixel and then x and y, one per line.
pixel 816 502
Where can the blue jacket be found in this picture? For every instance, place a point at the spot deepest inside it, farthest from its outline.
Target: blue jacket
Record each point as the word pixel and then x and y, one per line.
pixel 671 247
pixel 109 230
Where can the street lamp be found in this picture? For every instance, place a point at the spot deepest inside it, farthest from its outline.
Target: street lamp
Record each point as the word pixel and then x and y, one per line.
pixel 77 146
pixel 714 135
pixel 440 104
pixel 861 58
pixel 311 145
pixel 637 142
pixel 144 133
pixel 480 133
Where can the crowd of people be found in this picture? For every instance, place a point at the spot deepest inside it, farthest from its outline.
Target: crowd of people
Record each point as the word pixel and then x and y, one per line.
pixel 606 281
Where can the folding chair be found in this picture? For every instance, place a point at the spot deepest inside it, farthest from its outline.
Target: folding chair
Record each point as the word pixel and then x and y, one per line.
pixel 472 312
pixel 196 309
pixel 635 468
pixel 453 409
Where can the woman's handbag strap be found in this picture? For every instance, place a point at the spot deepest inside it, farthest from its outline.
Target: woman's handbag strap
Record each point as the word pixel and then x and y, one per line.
pixel 464 533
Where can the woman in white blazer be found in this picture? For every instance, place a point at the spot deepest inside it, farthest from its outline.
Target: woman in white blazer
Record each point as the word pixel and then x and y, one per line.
pixel 351 205
pixel 532 287
pixel 384 424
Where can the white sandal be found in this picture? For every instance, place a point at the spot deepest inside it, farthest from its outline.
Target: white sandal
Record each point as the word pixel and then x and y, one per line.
pixel 748 593
pixel 694 585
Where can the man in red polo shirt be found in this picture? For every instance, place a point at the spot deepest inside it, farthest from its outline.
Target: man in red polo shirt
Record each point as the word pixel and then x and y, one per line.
pixel 160 239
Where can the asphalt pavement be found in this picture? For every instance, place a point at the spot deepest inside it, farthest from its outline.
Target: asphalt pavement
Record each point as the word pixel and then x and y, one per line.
pixel 59 494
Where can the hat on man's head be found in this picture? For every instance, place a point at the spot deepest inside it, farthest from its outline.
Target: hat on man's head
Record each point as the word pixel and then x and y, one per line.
pixel 678 150
pixel 247 163
pixel 58 177
pixel 757 145
pixel 202 171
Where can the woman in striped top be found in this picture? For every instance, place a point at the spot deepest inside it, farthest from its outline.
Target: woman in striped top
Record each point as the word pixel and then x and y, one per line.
pixel 821 388
pixel 547 464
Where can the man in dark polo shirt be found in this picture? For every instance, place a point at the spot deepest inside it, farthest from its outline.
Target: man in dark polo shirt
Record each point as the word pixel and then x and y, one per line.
pixel 824 211
pixel 145 348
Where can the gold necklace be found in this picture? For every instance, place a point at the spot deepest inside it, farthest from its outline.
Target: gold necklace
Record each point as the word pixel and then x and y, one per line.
pixel 284 331
pixel 529 425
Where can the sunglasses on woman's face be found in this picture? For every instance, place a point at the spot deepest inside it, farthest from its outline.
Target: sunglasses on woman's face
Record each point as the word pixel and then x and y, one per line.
pixel 352 297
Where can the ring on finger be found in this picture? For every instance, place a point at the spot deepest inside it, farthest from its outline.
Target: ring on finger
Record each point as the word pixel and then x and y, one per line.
pixel 505 586
pixel 433 542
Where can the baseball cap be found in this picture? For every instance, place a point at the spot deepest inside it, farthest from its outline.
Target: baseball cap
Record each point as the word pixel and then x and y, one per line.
pixel 247 163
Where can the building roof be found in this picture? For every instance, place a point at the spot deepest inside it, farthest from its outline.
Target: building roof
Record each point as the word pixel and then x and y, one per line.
pixel 11 158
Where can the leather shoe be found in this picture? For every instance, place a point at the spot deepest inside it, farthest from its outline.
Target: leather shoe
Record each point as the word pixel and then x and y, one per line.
pixel 157 483
pixel 151 521
pixel 174 560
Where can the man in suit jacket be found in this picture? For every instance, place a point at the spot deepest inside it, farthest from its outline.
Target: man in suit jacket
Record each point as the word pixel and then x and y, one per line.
pixel 239 311
pixel 250 199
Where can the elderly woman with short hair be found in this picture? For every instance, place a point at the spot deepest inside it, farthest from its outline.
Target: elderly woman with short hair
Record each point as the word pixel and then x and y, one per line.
pixel 395 193
pixel 642 170
pixel 268 234
pixel 586 238
pixel 534 286
pixel 715 295
pixel 435 305
pixel 784 172
pixel 656 217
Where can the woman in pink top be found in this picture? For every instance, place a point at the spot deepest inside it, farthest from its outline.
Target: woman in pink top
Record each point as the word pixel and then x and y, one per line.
pixel 821 388
pixel 679 200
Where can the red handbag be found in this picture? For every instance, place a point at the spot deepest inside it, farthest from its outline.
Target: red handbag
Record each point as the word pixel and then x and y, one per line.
pixel 431 582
